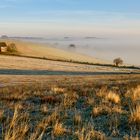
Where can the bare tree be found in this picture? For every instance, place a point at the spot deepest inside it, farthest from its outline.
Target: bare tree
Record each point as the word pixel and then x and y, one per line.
pixel 118 61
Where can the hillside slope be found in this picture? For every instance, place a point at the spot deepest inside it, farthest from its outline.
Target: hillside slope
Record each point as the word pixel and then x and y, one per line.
pixel 41 50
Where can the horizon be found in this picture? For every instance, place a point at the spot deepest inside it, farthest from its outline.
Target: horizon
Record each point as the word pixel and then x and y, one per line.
pixel 70 18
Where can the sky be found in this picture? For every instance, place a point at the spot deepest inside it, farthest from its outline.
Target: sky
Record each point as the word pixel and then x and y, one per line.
pixel 112 18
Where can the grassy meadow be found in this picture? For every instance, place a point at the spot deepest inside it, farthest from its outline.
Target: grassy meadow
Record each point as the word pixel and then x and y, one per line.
pixel 82 108
pixel 39 50
pixel 42 98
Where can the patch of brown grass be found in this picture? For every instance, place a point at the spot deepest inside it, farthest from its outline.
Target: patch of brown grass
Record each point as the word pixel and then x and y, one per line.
pixel 59 129
pixel 135 115
pixel 88 133
pixel 18 126
pixel 104 110
pixel 113 97
pixel 58 90
pixel 70 99
pixel 44 109
pixel 102 92
pixel 90 101
pixel 85 111
pixel 77 118
pixel 134 94
pixel 50 99
pixel 100 110
pixel 1 113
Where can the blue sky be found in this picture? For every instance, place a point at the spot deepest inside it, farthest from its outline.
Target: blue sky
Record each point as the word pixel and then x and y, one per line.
pixel 68 17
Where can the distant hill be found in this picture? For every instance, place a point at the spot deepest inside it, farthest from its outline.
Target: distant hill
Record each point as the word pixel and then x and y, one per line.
pixel 92 37
pixel 16 37
pixel 4 37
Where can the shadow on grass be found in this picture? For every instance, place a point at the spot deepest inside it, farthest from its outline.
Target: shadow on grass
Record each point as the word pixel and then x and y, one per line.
pixel 47 72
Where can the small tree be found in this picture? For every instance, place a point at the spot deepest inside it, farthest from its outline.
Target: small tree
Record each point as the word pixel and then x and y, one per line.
pixel 118 61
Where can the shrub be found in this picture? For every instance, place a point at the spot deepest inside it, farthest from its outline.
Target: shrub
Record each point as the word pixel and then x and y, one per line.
pixel 72 46
pixel 11 47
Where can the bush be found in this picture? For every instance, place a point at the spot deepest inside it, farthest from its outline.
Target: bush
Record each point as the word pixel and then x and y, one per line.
pixel 72 46
pixel 12 47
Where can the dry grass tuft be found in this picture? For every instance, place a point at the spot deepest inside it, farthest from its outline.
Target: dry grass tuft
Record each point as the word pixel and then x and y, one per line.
pixel 134 94
pixel 88 133
pixel 51 119
pixel 90 101
pixel 44 109
pixel 108 95
pixel 113 97
pixel 100 110
pixel 50 99
pixel 18 126
pixel 77 118
pixel 117 109
pixel 135 115
pixel 104 110
pixel 97 111
pixel 57 90
pixel 39 131
pixel 58 129
pixel 70 99
pixel 102 92
pixel 83 135
pixel 1 114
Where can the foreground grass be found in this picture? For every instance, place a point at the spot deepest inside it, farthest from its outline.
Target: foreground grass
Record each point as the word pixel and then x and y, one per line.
pixel 63 110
